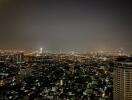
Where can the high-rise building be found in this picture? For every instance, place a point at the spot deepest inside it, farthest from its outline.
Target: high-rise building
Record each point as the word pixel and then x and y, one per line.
pixel 122 83
pixel 41 51
pixel 19 57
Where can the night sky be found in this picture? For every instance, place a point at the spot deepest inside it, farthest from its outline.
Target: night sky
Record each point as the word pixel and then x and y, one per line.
pixel 81 25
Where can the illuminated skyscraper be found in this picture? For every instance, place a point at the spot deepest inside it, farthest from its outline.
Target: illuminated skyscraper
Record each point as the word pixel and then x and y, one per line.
pixel 19 57
pixel 41 50
pixel 123 79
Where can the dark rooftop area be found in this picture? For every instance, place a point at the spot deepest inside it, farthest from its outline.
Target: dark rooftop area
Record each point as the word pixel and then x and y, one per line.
pixel 124 59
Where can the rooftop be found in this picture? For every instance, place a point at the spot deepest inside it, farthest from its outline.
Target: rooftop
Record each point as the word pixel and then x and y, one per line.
pixel 124 62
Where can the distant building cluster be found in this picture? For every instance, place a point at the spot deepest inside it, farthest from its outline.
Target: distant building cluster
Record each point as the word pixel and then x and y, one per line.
pixel 63 76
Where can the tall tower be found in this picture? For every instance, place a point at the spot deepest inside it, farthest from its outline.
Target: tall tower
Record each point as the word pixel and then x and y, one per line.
pixel 122 82
pixel 19 57
pixel 41 51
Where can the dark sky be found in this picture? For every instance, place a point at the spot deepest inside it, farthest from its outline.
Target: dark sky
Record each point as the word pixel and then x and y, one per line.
pixel 81 25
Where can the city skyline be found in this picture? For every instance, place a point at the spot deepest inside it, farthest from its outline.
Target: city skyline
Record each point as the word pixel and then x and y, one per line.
pixel 65 25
